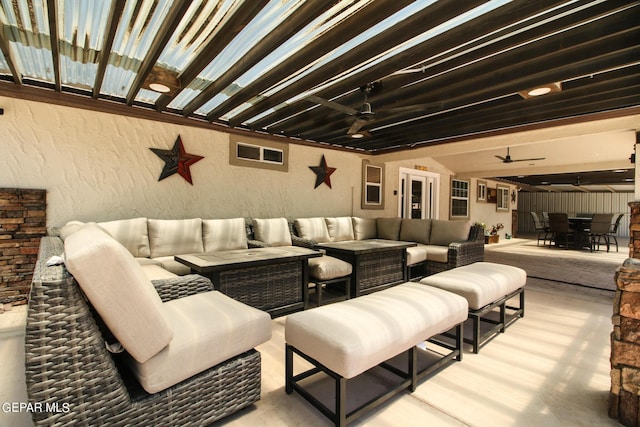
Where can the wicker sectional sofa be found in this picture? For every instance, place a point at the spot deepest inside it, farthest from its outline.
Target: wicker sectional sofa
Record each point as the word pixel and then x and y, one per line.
pixel 105 345
pixel 441 245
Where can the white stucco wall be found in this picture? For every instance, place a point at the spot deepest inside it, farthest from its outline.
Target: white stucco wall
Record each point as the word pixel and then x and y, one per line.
pixel 98 167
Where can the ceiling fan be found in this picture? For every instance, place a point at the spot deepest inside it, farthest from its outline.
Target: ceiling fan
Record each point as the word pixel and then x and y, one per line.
pixel 365 113
pixel 508 158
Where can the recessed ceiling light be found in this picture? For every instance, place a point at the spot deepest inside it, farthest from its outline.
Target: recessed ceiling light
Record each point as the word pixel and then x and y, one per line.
pixel 541 90
pixel 544 182
pixel 619 171
pixel 357 135
pixel 162 81
pixel 159 87
pixel 629 179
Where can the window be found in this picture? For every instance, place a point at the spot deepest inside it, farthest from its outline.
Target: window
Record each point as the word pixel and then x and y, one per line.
pixel 482 191
pixel 372 186
pixel 257 153
pixel 502 204
pixel 459 198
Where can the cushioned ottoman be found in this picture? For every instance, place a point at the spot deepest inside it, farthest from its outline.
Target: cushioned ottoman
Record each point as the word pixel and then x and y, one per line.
pixel 350 337
pixel 486 286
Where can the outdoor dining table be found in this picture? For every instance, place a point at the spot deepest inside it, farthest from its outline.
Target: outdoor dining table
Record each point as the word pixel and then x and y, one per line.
pixel 581 226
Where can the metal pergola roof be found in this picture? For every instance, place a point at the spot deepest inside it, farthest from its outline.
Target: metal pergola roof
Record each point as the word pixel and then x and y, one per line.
pixel 430 70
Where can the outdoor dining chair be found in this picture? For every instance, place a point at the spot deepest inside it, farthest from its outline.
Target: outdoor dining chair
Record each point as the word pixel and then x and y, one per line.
pixel 613 232
pixel 541 228
pixel 561 233
pixel 600 229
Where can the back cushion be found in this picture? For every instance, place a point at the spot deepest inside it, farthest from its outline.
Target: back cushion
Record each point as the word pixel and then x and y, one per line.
pixel 119 290
pixel 340 229
pixel 175 236
pixel 445 232
pixel 312 229
pixel 69 228
pixel 415 230
pixel 388 228
pixel 131 233
pixel 364 228
pixel 224 234
pixel 272 231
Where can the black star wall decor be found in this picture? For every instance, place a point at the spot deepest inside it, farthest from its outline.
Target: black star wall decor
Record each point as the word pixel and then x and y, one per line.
pixel 323 173
pixel 176 160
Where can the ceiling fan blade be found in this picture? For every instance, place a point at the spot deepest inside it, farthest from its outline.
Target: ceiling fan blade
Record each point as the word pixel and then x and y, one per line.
pixel 332 105
pixel 504 159
pixel 357 124
pixel 416 108
pixel 528 160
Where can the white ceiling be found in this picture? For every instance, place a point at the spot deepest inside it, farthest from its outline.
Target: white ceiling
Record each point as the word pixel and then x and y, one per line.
pixel 597 145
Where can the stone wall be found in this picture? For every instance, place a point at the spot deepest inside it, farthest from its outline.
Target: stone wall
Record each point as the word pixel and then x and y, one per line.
pixel 634 230
pixel 624 398
pixel 22 224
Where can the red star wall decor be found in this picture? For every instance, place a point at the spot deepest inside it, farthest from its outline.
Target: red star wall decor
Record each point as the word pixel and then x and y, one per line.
pixel 323 173
pixel 176 160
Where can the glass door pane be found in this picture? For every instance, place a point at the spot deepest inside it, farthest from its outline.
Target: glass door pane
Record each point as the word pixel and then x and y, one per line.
pixel 417 197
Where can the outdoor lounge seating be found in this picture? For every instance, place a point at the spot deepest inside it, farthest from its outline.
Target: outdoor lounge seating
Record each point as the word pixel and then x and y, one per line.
pixel 440 245
pixel 325 272
pixel 486 287
pixel 346 339
pixel 184 353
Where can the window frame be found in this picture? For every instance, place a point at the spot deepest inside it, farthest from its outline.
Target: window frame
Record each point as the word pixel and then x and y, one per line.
pixel 503 198
pixel 372 181
pixel 237 141
pixel 458 197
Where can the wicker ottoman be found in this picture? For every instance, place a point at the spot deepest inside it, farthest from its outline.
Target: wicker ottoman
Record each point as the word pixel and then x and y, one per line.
pixel 347 338
pixel 486 287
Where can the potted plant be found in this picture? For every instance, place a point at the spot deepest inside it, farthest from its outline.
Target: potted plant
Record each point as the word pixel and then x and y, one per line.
pixel 493 236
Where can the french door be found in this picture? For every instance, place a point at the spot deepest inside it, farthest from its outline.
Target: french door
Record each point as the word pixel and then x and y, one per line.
pixel 418 194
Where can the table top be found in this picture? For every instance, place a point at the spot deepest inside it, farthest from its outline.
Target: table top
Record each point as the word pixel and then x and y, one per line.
pixel 224 260
pixel 366 246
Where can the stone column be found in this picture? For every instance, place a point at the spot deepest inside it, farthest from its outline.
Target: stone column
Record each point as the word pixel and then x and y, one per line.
pixel 624 398
pixel 22 224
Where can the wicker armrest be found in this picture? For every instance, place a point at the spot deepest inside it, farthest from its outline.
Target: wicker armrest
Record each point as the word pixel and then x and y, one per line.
pixel 183 286
pixel 305 243
pixel 257 244
pixel 463 253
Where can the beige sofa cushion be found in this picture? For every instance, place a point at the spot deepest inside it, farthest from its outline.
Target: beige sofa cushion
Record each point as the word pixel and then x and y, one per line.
pixel 327 268
pixel 131 233
pixel 416 254
pixel 224 234
pixel 170 264
pixel 313 229
pixel 209 329
pixel 415 230
pixel 388 228
pixel 175 236
pixel 340 228
pixel 480 283
pixel 364 228
pixel 445 232
pixel 272 231
pixel 69 228
pixel 437 253
pixel 119 290
pixel 354 335
pixel 156 272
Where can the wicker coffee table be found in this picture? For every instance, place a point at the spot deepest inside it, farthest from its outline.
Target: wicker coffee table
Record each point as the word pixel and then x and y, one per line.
pixel 271 279
pixel 377 263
